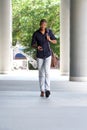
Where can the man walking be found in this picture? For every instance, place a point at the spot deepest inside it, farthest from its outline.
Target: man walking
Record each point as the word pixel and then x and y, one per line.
pixel 41 40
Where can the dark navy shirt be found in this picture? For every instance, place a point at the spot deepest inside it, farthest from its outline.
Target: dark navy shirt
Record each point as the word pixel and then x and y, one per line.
pixel 40 39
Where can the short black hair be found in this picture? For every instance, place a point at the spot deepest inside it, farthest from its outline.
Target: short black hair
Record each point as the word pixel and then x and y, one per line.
pixel 43 21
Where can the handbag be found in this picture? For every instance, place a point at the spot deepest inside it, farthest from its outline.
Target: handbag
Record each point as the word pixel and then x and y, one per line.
pixel 54 60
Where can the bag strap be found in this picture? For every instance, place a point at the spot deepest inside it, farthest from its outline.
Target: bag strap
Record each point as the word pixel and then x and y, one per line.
pixel 47 30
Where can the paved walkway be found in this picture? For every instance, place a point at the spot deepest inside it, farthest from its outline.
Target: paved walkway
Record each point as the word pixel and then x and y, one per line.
pixel 21 108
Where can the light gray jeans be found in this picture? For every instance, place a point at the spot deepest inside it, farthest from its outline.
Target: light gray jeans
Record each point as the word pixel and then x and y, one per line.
pixel 44 73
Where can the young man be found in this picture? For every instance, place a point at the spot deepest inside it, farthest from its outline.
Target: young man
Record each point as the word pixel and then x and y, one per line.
pixel 41 41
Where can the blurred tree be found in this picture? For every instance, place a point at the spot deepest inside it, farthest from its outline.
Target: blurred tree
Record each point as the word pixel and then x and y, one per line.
pixel 26 17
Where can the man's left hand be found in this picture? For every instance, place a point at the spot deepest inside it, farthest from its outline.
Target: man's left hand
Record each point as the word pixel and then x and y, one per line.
pixel 48 38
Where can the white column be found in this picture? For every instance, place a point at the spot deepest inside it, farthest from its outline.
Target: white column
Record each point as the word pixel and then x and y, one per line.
pixel 5 35
pixel 78 46
pixel 64 36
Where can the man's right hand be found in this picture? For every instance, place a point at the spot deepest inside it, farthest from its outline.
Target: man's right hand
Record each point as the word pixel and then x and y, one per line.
pixel 40 48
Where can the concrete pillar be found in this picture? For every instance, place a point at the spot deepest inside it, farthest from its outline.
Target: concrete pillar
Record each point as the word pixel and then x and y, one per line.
pixel 64 36
pixel 78 46
pixel 5 35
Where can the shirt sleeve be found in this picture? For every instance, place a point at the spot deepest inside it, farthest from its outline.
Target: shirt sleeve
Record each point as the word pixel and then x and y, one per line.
pixel 52 35
pixel 34 40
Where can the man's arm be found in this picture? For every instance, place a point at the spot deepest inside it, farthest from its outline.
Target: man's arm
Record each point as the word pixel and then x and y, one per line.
pixel 51 38
pixel 34 46
pixel 34 41
pixel 52 41
pixel 39 48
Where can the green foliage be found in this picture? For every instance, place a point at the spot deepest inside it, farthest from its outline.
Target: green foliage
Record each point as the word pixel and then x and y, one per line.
pixel 26 17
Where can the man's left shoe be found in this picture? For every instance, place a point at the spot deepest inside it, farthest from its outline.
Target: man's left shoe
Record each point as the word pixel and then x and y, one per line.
pixel 47 93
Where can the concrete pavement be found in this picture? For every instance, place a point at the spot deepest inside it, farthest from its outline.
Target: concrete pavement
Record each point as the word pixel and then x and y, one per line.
pixel 21 107
pixel 25 110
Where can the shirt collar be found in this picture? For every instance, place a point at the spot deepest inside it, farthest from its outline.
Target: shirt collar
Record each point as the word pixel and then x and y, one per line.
pixel 40 30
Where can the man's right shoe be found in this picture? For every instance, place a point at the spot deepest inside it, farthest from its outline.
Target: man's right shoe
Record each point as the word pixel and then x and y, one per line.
pixel 42 94
pixel 47 93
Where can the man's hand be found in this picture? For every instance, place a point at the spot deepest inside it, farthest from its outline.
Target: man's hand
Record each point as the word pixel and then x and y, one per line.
pixel 52 41
pixel 48 38
pixel 40 48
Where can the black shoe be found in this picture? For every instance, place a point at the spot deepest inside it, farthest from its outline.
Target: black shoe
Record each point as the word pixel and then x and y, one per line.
pixel 47 93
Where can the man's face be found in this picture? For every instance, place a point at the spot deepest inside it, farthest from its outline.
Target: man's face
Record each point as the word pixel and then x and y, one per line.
pixel 43 25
